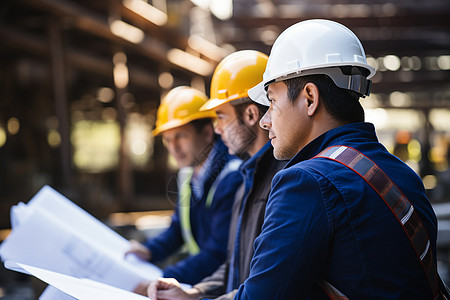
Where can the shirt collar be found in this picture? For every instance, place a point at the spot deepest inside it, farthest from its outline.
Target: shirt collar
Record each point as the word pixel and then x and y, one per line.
pixel 248 167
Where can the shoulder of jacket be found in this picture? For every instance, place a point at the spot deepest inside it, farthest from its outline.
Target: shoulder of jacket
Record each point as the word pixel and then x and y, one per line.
pixel 313 167
pixel 230 167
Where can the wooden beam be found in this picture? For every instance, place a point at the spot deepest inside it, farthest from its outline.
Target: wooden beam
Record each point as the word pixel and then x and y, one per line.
pixel 75 58
pixel 58 68
pixel 85 20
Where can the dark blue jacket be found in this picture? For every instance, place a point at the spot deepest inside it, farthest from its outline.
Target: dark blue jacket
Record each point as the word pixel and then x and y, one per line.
pixel 323 221
pixel 209 225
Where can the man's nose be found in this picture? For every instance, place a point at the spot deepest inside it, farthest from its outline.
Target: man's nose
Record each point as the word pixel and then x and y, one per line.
pixel 265 122
pixel 218 129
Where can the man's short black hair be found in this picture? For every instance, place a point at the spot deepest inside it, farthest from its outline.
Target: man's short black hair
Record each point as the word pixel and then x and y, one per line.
pixel 240 108
pixel 340 103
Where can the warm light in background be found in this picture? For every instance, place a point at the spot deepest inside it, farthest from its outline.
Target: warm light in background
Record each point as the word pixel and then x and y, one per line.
pixel 189 62
pixel 165 80
pixel 126 31
pixel 403 136
pixel 2 136
pixel 395 119
pixel 121 76
pixel 430 182
pixel 138 147
pixel 105 94
pixel 444 62
pixel 206 48
pixel 147 11
pixel 391 62
pixel 408 63
pixel 96 145
pixel 399 99
pixel 139 139
pixel 414 150
pixel 13 126
pixel 154 221
pixel 222 9
pixel 120 71
pixel 148 222
pixel 440 119
pixel 376 116
pixel 54 138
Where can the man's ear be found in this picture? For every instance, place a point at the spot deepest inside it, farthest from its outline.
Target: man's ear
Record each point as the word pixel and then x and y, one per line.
pixel 311 94
pixel 208 133
pixel 251 115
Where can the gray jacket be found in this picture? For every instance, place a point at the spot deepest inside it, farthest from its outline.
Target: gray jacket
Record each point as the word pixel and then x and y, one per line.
pixel 253 218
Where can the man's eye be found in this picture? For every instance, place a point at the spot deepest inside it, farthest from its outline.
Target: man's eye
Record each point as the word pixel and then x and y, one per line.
pixel 180 135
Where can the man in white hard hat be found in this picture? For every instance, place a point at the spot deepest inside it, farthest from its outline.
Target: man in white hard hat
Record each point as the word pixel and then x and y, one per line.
pixel 238 125
pixel 345 219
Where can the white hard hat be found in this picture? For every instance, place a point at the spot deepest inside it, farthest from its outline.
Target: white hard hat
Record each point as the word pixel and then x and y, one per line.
pixel 315 47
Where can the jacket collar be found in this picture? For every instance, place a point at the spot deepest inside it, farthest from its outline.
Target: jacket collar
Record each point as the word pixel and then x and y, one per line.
pixel 354 131
pixel 251 162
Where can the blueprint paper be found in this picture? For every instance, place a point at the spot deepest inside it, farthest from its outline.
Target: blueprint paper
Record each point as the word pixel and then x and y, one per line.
pixel 78 288
pixel 52 293
pixel 53 233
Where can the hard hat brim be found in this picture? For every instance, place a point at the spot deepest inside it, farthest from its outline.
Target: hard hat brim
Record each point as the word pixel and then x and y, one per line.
pixel 178 123
pixel 215 103
pixel 258 94
pixel 212 104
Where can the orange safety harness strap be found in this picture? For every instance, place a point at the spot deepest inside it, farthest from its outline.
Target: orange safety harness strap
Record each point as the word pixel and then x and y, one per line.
pixel 399 206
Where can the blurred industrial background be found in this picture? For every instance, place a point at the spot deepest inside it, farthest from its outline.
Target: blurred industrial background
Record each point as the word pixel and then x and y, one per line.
pixel 80 82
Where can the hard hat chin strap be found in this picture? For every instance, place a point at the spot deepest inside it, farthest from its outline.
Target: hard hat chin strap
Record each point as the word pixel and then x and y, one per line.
pixel 354 82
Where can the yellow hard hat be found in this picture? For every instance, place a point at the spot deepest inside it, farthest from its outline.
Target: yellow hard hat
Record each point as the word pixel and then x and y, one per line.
pixel 234 76
pixel 179 107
